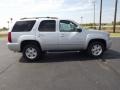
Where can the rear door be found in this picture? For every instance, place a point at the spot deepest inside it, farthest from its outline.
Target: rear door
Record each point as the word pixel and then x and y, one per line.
pixel 47 35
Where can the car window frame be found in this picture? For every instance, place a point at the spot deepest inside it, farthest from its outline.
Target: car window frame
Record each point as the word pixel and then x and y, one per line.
pixel 24 21
pixel 46 31
pixel 70 22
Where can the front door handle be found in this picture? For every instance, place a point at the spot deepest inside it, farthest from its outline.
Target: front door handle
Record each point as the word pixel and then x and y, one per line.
pixel 62 35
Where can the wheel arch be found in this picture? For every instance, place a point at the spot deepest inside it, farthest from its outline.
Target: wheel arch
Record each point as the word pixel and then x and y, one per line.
pixel 98 40
pixel 26 42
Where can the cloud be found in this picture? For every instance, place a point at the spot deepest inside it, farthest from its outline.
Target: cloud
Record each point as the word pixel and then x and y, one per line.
pixel 76 8
pixel 60 8
pixel 26 7
pixel 23 8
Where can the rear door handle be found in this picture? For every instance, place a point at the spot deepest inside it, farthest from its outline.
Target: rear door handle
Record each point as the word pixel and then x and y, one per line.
pixel 40 35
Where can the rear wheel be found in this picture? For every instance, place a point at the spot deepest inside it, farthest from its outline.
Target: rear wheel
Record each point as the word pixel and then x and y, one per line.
pixel 31 52
pixel 95 49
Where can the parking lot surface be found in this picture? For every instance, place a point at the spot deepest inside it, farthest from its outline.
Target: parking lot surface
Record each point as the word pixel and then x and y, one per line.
pixel 60 71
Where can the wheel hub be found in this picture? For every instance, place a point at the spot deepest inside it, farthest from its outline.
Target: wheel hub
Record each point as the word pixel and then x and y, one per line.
pixel 97 50
pixel 31 53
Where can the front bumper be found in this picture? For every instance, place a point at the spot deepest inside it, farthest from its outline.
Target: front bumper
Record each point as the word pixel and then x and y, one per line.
pixel 14 47
pixel 109 43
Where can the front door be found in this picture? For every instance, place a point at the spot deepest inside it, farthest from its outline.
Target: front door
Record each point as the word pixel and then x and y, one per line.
pixel 69 37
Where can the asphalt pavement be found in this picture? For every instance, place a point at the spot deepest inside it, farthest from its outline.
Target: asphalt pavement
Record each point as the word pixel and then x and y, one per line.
pixel 60 71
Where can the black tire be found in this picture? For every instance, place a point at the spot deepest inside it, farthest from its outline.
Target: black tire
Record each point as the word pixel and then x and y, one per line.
pixel 90 50
pixel 37 50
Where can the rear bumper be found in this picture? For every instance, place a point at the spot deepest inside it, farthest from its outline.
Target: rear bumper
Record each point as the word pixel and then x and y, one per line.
pixel 14 47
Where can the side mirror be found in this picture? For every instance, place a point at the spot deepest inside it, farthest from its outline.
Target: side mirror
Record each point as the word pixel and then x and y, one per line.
pixel 79 30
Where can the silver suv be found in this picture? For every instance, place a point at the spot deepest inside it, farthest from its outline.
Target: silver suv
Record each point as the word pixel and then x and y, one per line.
pixel 35 36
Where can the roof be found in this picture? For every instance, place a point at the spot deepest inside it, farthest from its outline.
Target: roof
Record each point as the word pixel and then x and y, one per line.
pixel 38 18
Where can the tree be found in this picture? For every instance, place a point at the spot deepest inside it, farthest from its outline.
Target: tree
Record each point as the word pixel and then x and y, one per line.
pixel 114 26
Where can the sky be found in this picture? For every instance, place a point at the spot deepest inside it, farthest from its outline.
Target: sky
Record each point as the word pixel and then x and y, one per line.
pixel 68 9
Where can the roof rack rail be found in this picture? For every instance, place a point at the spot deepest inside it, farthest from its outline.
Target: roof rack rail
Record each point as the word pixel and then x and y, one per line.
pixel 38 18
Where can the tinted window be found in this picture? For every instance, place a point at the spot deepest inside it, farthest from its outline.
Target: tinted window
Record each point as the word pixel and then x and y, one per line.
pixel 67 26
pixel 47 26
pixel 23 26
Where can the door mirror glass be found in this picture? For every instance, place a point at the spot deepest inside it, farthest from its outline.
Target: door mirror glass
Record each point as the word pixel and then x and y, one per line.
pixel 79 29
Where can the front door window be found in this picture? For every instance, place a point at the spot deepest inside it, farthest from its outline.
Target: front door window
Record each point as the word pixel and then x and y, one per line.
pixel 67 26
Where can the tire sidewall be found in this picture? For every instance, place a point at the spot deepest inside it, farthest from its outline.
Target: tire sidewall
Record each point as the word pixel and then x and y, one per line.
pixel 89 51
pixel 35 47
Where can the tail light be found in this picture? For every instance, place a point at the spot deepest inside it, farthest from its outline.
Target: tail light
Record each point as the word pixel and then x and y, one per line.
pixel 9 37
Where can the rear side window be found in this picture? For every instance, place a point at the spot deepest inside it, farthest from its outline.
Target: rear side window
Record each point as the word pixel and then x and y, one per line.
pixel 47 26
pixel 23 26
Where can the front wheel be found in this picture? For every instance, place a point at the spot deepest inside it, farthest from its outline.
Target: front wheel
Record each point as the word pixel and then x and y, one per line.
pixel 95 49
pixel 31 52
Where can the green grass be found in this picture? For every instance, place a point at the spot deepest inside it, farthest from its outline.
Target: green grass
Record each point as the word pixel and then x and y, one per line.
pixel 114 34
pixel 3 35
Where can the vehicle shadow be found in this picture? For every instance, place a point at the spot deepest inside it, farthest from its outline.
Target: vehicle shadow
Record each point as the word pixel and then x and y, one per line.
pixel 111 55
pixel 72 56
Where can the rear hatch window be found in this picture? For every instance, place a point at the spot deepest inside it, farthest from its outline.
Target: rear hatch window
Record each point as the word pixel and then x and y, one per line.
pixel 23 26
